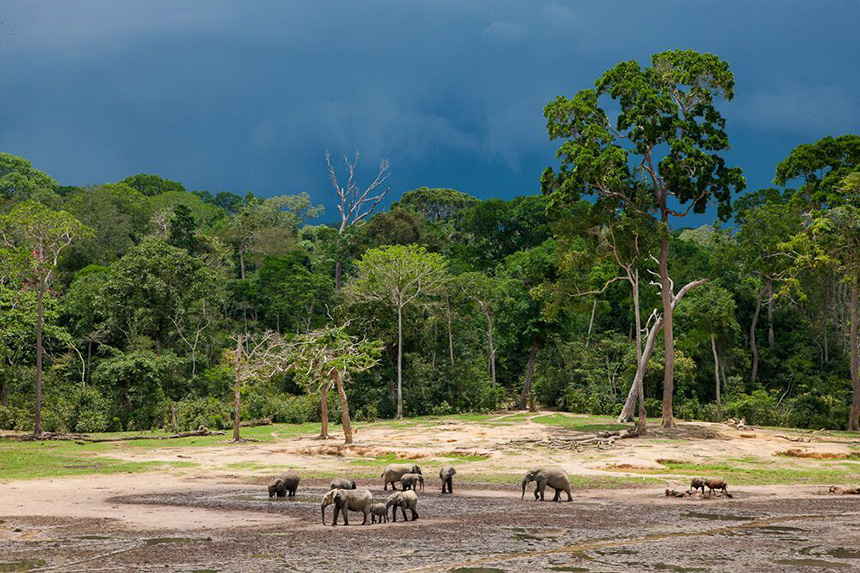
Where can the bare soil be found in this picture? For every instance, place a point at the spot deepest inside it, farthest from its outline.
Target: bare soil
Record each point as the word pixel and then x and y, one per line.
pixel 218 517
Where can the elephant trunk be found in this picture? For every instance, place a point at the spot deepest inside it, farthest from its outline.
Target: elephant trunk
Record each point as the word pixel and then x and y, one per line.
pixel 525 483
pixel 322 509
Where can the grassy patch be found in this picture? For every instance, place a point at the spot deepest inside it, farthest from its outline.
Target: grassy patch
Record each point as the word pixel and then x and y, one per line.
pixel 581 423
pixel 383 460
pixel 40 460
pixel 764 474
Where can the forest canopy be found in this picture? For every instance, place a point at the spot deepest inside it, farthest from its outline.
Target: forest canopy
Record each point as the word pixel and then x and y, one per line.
pixel 121 303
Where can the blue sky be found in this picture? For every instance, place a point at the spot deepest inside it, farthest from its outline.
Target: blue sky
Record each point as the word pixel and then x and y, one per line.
pixel 241 96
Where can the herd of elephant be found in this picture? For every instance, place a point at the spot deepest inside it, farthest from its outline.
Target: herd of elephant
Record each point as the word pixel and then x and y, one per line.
pixel 345 496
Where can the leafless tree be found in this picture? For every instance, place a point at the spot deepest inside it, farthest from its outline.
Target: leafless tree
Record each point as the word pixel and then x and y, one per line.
pixel 354 201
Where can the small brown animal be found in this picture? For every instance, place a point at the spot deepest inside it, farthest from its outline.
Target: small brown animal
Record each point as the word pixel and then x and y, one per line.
pixel 716 483
pixel 698 483
pixel 844 490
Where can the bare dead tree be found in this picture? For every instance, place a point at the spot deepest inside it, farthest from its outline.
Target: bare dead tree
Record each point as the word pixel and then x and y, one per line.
pixel 354 201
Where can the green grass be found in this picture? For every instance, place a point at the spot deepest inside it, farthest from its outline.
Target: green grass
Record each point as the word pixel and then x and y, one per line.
pixel 56 459
pixel 762 472
pixel 581 423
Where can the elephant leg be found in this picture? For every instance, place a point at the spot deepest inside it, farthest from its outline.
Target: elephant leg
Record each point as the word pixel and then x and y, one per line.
pixel 569 497
pixel 555 497
pixel 414 515
pixel 450 485
pixel 539 491
pixel 403 510
pixel 345 516
pixel 393 514
pixel 336 511
pixel 365 518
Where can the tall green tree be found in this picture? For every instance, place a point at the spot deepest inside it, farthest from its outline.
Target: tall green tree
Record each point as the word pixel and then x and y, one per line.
pixel 668 133
pixel 43 234
pixel 398 276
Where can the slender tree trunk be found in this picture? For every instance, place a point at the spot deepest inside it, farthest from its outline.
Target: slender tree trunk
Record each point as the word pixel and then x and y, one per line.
pixel 591 322
pixel 399 361
pixel 717 378
pixel 668 335
pixel 324 410
pixel 89 358
pixel 637 387
pixel 854 422
pixel 39 351
pixel 241 264
pixel 530 370
pixel 3 398
pixel 237 394
pixel 491 350
pixel 753 344
pixel 450 331
pixel 338 277
pixel 173 418
pixel 770 336
pixel 627 411
pixel 637 315
pixel 344 408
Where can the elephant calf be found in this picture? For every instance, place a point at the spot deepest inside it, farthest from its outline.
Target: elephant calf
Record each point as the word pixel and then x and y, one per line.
pixel 342 483
pixel 347 499
pixel 411 481
pixel 284 483
pixel 555 478
pixel 393 473
pixel 378 512
pixel 446 474
pixel 404 500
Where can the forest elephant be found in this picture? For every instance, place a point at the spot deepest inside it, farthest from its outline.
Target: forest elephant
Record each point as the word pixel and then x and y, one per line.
pixel 393 473
pixel 412 481
pixel 446 474
pixel 342 483
pixel 378 513
pixel 404 500
pixel 555 478
pixel 287 482
pixel 346 500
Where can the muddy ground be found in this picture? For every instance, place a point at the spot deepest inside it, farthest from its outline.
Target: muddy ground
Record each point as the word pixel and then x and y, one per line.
pixel 215 515
pixel 479 529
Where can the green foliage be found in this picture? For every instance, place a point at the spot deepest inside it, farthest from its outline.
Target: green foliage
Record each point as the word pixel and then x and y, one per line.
pixel 152 185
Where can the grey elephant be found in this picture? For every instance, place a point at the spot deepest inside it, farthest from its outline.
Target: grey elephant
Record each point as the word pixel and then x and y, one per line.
pixel 555 478
pixel 342 483
pixel 287 482
pixel 404 500
pixel 393 473
pixel 412 481
pixel 378 512
pixel 446 474
pixel 347 500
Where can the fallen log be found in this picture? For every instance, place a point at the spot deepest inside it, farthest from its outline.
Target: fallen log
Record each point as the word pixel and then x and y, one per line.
pixel 267 421
pixel 84 438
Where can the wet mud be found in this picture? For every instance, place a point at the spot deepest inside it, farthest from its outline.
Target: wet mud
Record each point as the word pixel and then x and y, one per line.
pixel 473 531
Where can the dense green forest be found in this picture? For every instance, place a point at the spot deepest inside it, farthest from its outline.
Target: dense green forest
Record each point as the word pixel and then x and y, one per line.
pixel 139 304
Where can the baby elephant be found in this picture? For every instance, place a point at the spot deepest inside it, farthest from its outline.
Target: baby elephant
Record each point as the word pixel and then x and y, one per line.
pixel 342 483
pixel 411 481
pixel 404 500
pixel 446 474
pixel 378 512
pixel 556 478
pixel 716 483
pixel 284 483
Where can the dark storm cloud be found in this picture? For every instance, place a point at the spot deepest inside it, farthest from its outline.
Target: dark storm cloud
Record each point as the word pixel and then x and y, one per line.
pixel 247 95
